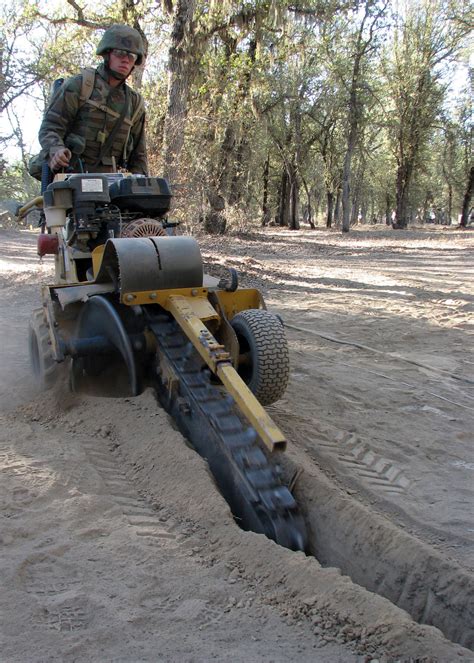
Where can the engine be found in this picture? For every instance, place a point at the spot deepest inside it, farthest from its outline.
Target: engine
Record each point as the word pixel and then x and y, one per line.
pixel 91 208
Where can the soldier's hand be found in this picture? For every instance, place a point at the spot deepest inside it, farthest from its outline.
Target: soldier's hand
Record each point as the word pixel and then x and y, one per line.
pixel 60 159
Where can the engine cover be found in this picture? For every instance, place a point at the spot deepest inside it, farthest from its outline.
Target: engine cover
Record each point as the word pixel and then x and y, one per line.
pixel 150 196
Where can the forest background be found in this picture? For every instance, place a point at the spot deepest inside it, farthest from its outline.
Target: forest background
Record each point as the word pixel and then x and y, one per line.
pixel 319 112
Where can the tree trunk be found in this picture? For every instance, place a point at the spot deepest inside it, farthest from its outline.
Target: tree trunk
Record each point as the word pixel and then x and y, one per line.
pixel 231 168
pixel 388 210
pixel 238 181
pixel 354 112
pixel 265 210
pixel 223 170
pixel 466 203
pixel 337 209
pixel 408 150
pixel 215 221
pixel 317 206
pixel 346 178
pixel 404 173
pixel 309 208
pixel 329 215
pixel 371 210
pixel 294 222
pixel 284 200
pixel 354 214
pixel 181 69
pixel 450 204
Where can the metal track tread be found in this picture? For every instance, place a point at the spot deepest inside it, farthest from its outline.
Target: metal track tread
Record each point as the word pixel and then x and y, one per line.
pixel 248 479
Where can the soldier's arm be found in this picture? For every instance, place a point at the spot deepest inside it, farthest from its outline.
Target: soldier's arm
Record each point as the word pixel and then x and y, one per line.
pixel 137 160
pixel 59 116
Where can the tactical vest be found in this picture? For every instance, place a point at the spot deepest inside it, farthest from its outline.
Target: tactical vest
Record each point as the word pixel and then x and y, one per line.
pixel 100 107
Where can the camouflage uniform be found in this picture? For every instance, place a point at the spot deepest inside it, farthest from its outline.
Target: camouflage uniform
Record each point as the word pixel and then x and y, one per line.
pixel 93 121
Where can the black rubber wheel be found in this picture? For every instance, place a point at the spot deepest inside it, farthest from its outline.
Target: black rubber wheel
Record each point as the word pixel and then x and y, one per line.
pixel 264 363
pixel 45 369
pixel 114 374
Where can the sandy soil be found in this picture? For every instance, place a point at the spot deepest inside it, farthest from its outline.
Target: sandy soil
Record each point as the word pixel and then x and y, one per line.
pixel 382 390
pixel 115 544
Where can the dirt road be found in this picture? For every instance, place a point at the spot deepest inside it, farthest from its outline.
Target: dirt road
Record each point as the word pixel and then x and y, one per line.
pixel 117 547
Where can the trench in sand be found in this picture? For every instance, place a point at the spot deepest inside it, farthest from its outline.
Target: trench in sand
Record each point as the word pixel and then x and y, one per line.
pixel 378 555
pixel 338 529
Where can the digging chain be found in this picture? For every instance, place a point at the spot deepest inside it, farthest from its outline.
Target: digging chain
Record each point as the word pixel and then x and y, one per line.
pixel 207 416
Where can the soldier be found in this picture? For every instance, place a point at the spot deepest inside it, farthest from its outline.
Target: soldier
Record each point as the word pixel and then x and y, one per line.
pixel 96 122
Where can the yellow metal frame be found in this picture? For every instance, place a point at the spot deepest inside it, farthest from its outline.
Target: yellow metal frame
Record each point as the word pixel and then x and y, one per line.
pixel 36 202
pixel 97 255
pixel 186 311
pixel 201 305
pixel 232 303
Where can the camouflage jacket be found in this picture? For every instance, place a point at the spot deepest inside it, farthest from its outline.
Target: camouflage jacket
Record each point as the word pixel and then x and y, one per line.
pixel 91 121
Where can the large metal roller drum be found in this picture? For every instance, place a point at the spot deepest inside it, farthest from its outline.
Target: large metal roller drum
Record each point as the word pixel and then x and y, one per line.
pixel 152 263
pixel 180 262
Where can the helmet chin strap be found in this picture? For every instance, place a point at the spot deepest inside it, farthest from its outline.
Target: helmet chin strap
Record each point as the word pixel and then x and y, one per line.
pixel 115 74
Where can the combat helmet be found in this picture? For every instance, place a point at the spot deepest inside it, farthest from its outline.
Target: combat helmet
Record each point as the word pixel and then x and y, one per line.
pixel 122 37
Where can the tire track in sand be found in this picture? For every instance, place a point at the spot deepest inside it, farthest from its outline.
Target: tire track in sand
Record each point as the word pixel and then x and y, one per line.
pixel 148 526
